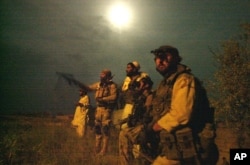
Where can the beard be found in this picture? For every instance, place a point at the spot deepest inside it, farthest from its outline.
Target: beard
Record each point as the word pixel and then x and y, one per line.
pixel 165 70
pixel 162 69
pixel 130 74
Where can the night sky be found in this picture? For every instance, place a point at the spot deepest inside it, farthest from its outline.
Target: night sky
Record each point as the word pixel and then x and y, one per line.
pixel 41 37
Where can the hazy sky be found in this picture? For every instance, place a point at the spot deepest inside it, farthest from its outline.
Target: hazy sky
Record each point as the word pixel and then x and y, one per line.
pixel 40 37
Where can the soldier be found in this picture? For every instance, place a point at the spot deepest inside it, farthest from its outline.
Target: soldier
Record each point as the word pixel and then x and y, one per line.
pixel 81 111
pixel 130 84
pixel 105 95
pixel 138 96
pixel 174 114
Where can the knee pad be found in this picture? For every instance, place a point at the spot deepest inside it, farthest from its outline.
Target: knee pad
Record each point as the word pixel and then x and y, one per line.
pixel 105 130
pixel 98 129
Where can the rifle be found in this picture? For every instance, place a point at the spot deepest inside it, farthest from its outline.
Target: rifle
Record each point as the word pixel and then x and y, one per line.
pixel 145 156
pixel 72 81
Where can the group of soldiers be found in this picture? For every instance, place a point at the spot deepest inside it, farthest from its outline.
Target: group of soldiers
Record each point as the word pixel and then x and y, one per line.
pixel 157 126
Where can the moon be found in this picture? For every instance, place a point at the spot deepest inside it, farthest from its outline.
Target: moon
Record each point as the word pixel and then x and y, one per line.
pixel 119 15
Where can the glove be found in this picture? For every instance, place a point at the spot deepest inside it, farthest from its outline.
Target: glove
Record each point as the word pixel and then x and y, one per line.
pixel 157 127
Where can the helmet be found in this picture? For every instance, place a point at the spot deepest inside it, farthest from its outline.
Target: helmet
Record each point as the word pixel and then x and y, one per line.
pixel 136 65
pixel 107 72
pixel 167 49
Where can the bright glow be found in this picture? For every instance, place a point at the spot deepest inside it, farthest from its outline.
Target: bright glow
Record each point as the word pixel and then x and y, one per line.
pixel 120 15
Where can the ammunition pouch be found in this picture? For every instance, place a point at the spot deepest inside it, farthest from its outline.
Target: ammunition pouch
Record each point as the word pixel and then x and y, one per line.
pixel 168 146
pixel 178 145
pixel 185 143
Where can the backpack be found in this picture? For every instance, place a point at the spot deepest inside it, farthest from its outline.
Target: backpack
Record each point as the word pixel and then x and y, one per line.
pixel 202 125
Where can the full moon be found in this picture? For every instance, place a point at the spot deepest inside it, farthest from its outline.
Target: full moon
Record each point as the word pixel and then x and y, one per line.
pixel 119 15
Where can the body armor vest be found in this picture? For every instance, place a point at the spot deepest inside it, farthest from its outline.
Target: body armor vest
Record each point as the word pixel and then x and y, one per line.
pixel 104 90
pixel 162 98
pixel 129 88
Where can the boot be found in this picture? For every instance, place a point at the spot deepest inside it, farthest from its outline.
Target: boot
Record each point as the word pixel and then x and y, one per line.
pixel 104 145
pixel 98 139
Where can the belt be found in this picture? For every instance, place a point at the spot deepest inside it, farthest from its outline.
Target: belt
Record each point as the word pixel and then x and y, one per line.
pixel 106 105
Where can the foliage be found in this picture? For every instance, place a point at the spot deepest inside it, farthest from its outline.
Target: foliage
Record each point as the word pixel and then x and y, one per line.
pixel 232 81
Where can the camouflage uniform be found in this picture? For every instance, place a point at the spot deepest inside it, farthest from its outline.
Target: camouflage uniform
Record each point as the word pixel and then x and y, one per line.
pixel 105 95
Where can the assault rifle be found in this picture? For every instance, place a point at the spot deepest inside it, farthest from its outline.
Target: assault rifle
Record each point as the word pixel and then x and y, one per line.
pixel 72 81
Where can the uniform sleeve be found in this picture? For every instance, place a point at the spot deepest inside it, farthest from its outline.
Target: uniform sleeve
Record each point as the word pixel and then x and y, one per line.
pixel 181 104
pixel 126 83
pixel 113 94
pixel 93 87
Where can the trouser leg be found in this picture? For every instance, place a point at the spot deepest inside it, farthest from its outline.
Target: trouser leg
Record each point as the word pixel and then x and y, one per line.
pixel 105 141
pixel 125 149
pixel 98 140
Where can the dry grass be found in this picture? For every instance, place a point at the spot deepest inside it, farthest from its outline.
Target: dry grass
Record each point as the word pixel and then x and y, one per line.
pixel 50 141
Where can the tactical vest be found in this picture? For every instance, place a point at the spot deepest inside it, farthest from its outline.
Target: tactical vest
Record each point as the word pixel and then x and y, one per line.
pixel 162 98
pixel 197 128
pixel 202 113
pixel 104 90
pixel 129 87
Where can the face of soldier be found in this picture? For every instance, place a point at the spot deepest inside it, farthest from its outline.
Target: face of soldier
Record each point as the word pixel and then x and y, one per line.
pixel 130 70
pixel 82 93
pixel 165 63
pixel 103 77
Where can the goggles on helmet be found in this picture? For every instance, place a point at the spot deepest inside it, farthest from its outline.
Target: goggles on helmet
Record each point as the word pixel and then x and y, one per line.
pixel 160 53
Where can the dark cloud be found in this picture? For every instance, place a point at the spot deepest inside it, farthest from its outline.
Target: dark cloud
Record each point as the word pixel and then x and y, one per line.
pixel 39 38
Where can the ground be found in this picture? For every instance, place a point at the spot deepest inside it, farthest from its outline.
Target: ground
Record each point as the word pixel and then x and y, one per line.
pixel 52 140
